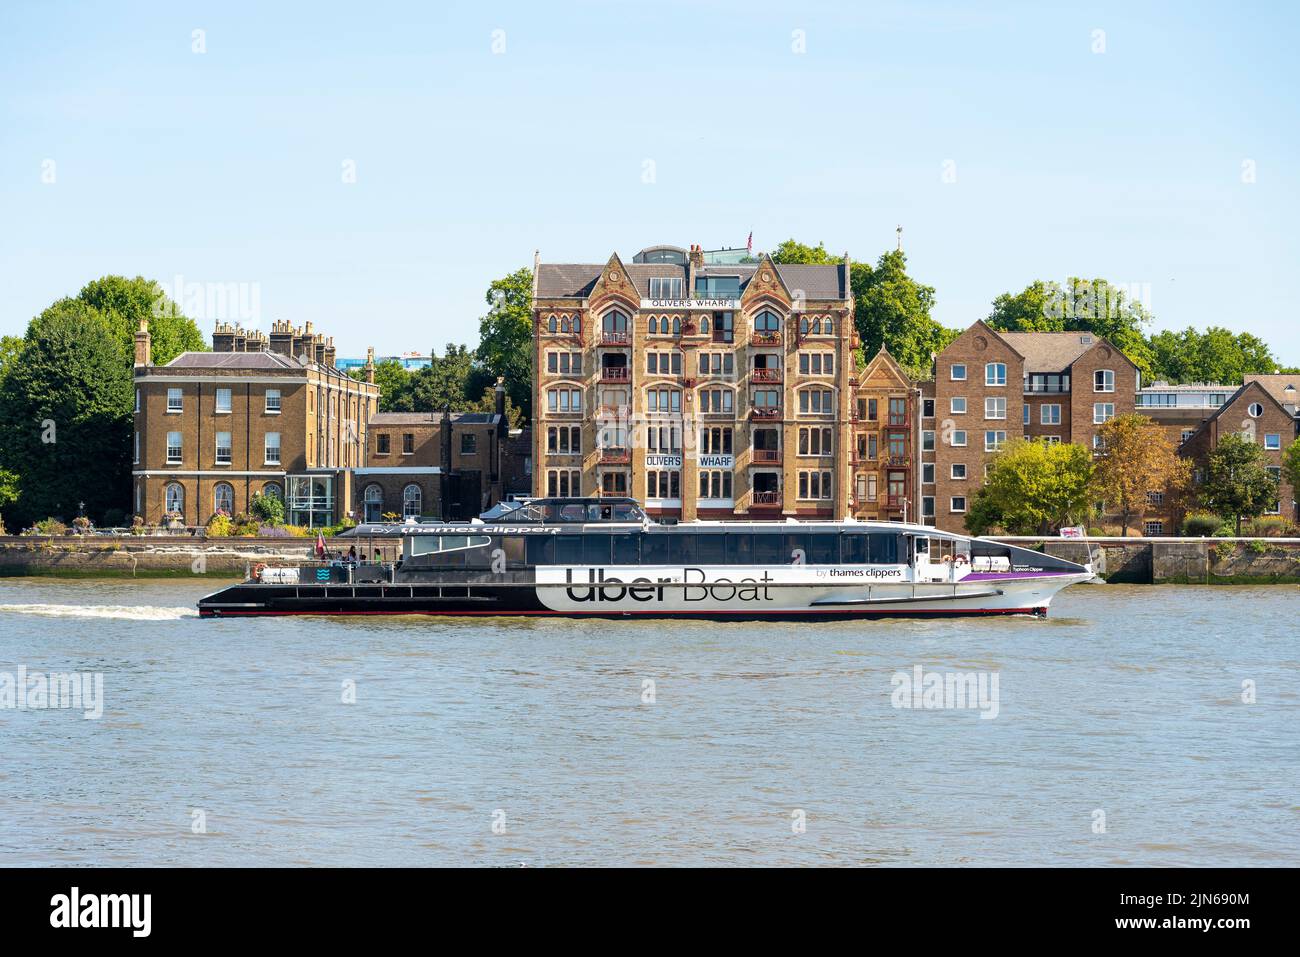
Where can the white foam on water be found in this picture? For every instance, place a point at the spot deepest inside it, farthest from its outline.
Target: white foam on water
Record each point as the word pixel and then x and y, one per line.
pixel 126 612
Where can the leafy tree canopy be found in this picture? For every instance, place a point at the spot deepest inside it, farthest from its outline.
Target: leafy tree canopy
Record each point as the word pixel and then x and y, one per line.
pixel 66 404
pixel 1237 482
pixel 506 336
pixel 1137 458
pixel 1215 355
pixel 892 309
pixel 1033 488
pixel 792 251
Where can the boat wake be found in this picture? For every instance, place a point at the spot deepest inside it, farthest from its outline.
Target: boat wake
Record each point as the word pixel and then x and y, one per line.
pixel 124 612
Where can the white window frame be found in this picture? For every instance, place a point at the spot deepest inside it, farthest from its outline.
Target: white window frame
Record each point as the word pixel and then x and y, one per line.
pixel 955 443
pixel 997 444
pixel 995 403
pixel 952 504
pixel 230 448
pixel 1273 441
pixel 267 448
pixel 1107 383
pixel 175 401
pixel 952 471
pixel 952 372
pixel 273 408
pixel 1044 418
pixel 991 376
pixel 1099 414
pixel 228 395
pixel 179 447
pixel 952 405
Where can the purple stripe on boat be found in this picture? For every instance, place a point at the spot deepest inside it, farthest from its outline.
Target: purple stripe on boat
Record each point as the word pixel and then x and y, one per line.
pixel 1003 576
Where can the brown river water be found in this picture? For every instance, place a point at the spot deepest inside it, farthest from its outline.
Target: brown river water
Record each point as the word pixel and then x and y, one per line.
pixel 1135 726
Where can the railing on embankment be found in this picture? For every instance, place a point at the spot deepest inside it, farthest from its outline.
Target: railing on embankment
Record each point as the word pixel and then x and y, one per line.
pixel 1177 560
pixel 179 556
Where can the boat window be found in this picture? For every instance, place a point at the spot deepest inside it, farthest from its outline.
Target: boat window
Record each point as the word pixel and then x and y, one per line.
pixel 710 550
pixel 681 549
pixel 853 548
pixel 796 548
pixel 740 549
pixel 884 549
pixel 769 549
pixel 540 550
pixel 654 549
pixel 626 550
pixel 990 550
pixel 595 549
pixel 626 512
pixel 568 549
pixel 573 513
pixel 825 549
pixel 433 544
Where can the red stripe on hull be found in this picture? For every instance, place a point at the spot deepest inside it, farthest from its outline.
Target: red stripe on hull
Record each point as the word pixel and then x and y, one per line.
pixel 722 616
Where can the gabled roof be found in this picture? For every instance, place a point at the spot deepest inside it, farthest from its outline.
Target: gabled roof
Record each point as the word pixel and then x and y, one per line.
pixel 1284 387
pixel 1248 386
pixel 1049 351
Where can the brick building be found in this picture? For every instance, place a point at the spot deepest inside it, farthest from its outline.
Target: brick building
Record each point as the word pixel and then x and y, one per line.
pixel 259 414
pixel 991 386
pixel 704 390
pixel 1263 410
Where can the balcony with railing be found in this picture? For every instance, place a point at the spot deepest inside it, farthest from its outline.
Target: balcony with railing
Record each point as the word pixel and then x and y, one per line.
pixel 895 501
pixel 765 339
pixel 615 374
pixel 765 412
pixel 898 418
pixel 766 456
pixel 896 461
pixel 765 375
pixel 608 338
pixel 614 455
pixel 765 499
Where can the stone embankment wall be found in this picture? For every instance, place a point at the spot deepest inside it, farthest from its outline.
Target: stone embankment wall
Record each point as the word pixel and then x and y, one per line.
pixel 76 556
pixel 1206 561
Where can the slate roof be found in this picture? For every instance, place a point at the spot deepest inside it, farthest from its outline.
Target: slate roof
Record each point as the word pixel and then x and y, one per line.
pixel 576 280
pixel 233 360
pixel 1049 351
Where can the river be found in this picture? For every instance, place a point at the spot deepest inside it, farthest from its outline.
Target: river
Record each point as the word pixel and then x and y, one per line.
pixel 1112 733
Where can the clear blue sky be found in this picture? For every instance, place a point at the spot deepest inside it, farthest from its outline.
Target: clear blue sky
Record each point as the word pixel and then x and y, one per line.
pixel 226 166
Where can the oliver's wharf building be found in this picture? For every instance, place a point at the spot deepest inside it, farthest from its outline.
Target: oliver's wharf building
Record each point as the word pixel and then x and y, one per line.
pixel 715 390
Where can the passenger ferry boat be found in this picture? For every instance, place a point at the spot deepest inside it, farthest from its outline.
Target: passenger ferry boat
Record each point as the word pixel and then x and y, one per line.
pixel 603 558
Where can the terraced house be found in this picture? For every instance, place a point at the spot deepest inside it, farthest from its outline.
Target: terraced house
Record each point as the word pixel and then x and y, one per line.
pixel 713 390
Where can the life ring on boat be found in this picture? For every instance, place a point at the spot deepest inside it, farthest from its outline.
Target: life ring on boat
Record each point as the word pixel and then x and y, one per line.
pixel 961 560
pixel 257 571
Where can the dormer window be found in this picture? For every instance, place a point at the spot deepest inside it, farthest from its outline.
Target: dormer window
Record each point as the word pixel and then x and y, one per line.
pixel 666 288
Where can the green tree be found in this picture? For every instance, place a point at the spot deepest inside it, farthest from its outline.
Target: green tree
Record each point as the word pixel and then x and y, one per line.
pixel 892 309
pixel 506 336
pixel 120 304
pixel 1237 481
pixel 1033 488
pixel 66 407
pixel 792 251
pixel 1291 466
pixel 448 382
pixel 1080 305
pixel 394 381
pixel 1215 355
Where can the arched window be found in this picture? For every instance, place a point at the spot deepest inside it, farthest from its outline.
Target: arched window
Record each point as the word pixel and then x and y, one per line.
pixel 677 325
pixel 411 501
pixel 704 325
pixel 273 490
pixel 653 328
pixel 767 321
pixel 175 498
pixel 374 503
pixel 564 323
pixel 223 498
pixel 803 325
pixel 828 325
pixel 614 321
pixel 577 325
pixel 551 324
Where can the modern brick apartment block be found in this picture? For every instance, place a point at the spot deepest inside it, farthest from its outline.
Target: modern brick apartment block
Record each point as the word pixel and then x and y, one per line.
pixel 704 390
pixel 990 387
pixel 1263 410
pixel 258 414
pixel 884 455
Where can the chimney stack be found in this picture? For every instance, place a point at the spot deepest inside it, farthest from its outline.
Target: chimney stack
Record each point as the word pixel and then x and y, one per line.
pixel 697 255
pixel 370 365
pixel 501 396
pixel 143 345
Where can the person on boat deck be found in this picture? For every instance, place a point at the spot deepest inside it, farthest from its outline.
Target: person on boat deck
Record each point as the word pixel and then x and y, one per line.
pixel 351 558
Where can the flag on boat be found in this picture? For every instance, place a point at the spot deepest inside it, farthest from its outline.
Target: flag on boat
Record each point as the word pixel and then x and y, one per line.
pixel 320 545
